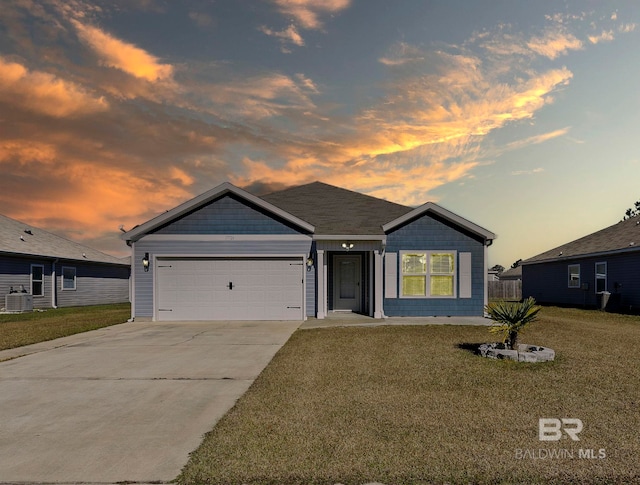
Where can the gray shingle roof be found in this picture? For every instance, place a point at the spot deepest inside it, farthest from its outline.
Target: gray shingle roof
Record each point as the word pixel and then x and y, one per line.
pixel 511 274
pixel 624 236
pixel 336 211
pixel 15 240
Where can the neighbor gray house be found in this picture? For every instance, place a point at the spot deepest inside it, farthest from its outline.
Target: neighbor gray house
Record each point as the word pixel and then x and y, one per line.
pixel 580 272
pixel 57 272
pixel 304 252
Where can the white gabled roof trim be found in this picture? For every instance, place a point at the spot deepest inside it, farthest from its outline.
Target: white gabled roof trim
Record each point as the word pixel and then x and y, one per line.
pixel 444 213
pixel 222 189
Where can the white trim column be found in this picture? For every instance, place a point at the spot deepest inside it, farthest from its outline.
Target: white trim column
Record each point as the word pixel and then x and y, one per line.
pixel 486 275
pixel 321 282
pixel 378 311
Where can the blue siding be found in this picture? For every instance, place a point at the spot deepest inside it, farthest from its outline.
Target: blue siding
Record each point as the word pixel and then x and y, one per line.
pixel 96 284
pixel 253 248
pixel 431 233
pixel 548 282
pixel 227 215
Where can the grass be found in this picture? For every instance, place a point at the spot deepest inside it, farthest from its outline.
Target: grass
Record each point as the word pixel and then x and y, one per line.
pixel 21 329
pixel 408 405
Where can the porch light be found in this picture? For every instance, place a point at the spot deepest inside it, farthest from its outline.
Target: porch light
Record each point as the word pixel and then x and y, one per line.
pixel 145 261
pixel 309 263
pixel 347 246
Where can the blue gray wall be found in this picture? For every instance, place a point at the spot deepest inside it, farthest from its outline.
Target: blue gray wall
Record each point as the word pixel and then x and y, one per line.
pixel 96 284
pixel 429 232
pixel 548 282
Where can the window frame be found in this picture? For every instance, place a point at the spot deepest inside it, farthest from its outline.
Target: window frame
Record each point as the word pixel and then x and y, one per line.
pixel 62 278
pixel 428 274
pixel 599 276
pixel 569 273
pixel 32 280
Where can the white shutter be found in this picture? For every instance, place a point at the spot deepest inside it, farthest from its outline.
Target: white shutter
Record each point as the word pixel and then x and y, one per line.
pixel 465 275
pixel 391 275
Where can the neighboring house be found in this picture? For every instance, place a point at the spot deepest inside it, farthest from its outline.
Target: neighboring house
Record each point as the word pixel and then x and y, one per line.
pixel 305 251
pixel 512 274
pixel 58 272
pixel 493 275
pixel 578 273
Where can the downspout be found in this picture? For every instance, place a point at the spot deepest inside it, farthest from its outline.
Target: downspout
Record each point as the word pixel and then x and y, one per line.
pixel 132 282
pixel 54 285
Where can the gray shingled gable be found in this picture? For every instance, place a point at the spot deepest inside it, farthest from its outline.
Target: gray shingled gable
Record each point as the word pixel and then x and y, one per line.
pixel 624 236
pixel 14 240
pixel 336 211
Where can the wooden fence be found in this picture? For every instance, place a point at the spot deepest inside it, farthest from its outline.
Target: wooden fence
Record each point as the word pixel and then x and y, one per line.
pixel 505 290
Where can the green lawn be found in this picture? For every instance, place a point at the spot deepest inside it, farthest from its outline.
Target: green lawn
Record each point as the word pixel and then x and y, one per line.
pixel 29 328
pixel 408 405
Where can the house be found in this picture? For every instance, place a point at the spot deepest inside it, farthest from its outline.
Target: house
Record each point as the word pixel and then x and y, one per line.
pixel 512 274
pixel 55 271
pixel 579 273
pixel 305 252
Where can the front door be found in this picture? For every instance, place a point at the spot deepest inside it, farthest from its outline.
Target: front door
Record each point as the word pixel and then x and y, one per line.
pixel 347 295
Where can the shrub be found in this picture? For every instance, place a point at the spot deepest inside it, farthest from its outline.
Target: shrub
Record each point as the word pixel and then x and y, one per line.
pixel 511 318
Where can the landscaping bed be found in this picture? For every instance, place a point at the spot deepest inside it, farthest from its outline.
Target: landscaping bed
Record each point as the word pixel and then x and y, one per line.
pixel 409 405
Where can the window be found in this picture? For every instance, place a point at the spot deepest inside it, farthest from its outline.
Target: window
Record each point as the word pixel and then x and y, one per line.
pixel 68 278
pixel 37 280
pixel 601 277
pixel 574 276
pixel 428 274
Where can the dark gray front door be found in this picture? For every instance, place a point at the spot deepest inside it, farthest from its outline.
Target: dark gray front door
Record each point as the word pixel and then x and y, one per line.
pixel 346 284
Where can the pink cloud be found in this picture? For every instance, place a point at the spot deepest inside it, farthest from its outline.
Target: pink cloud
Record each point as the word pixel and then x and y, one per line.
pixel 45 93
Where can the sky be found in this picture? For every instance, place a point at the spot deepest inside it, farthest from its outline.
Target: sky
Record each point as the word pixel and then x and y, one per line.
pixel 521 116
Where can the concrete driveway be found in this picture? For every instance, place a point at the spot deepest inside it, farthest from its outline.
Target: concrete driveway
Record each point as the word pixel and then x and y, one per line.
pixel 126 403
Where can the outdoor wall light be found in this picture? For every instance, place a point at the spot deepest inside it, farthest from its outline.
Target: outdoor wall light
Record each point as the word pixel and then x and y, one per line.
pixel 309 263
pixel 145 261
pixel 347 246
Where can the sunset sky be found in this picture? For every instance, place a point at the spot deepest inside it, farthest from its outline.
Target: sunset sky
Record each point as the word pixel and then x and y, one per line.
pixel 522 116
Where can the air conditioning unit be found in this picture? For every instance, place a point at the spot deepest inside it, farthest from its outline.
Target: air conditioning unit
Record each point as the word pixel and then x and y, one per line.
pixel 18 302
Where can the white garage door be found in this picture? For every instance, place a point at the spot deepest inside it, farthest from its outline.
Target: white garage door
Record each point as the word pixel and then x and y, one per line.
pixel 229 289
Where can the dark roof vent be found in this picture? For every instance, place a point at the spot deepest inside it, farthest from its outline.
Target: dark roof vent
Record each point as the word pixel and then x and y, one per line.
pixel 28 231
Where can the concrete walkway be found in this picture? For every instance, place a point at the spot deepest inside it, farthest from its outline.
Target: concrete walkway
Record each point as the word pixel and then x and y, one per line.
pixel 126 403
pixel 346 319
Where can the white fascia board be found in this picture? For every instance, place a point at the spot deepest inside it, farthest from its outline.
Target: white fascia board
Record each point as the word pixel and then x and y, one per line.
pixel 222 189
pixel 444 213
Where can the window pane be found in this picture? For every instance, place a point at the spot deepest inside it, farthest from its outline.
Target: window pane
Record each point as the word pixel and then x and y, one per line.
pixel 441 263
pixel 574 275
pixel 600 285
pixel 601 269
pixel 36 273
pixel 442 286
pixel 414 285
pixel 36 288
pixel 414 263
pixel 68 278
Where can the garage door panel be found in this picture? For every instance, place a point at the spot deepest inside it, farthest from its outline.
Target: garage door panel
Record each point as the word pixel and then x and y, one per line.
pixel 198 289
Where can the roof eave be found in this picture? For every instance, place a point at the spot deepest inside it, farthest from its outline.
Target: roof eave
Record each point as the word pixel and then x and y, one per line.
pixel 222 189
pixel 584 255
pixel 444 213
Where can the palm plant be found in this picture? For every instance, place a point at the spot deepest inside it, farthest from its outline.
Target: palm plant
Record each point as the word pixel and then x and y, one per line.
pixel 511 318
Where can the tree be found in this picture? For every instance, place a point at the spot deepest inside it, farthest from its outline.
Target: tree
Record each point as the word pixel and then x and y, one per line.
pixel 498 268
pixel 632 212
pixel 510 318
